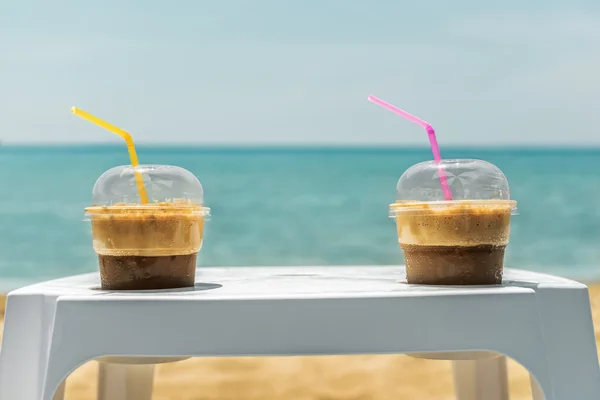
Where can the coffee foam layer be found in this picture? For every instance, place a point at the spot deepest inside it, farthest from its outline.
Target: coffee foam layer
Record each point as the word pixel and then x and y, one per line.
pixel 133 210
pixel 461 224
pixel 161 231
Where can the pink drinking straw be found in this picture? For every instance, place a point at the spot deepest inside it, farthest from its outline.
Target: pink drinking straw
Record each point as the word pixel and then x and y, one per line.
pixel 435 149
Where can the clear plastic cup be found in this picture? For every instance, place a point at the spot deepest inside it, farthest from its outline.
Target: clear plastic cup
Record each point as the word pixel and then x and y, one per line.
pixel 457 242
pixel 153 245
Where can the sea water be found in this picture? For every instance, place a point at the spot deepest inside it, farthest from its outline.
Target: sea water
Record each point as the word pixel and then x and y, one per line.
pixel 292 206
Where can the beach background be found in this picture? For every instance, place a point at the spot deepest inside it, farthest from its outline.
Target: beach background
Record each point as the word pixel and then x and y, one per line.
pixel 265 101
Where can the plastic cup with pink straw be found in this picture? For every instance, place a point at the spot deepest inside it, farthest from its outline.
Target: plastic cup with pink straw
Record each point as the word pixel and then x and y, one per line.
pixel 452 216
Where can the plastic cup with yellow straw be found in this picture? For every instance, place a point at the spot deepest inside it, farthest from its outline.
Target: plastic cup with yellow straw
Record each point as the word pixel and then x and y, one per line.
pixel 152 243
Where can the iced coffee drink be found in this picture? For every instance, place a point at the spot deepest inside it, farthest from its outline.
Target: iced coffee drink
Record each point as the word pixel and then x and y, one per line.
pixel 153 245
pixel 458 242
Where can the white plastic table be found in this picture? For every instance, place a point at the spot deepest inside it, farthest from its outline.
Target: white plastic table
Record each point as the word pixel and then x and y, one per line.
pixel 541 321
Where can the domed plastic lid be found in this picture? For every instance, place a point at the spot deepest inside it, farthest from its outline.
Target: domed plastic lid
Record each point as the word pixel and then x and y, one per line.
pixel 474 183
pixel 165 185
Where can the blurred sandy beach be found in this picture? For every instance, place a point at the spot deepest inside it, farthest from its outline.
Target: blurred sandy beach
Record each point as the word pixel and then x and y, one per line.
pixel 379 377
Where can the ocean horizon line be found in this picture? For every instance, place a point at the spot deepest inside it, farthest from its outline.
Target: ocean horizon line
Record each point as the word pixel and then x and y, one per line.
pixel 301 148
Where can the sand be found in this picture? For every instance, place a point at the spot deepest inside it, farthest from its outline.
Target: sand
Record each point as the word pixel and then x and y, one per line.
pixel 306 378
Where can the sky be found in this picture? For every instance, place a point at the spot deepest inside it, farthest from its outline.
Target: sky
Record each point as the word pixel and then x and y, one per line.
pixel 263 72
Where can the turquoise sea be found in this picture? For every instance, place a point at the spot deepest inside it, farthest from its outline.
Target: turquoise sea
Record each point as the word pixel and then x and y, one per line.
pixel 291 206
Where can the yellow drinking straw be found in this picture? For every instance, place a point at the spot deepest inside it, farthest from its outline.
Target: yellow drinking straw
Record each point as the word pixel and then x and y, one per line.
pixel 130 147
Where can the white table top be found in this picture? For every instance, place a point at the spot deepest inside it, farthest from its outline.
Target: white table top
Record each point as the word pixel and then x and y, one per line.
pixel 299 282
pixel 250 311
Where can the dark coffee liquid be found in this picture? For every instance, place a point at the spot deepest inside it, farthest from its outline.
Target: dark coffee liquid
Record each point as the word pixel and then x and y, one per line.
pixel 454 265
pixel 145 273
